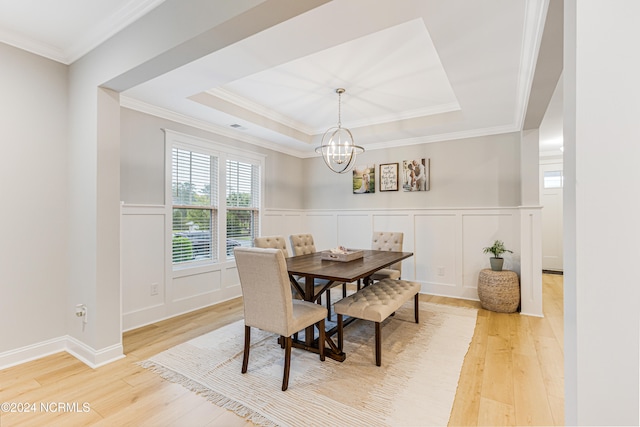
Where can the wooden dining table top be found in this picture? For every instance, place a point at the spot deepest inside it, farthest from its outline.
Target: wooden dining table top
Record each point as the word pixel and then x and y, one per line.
pixel 312 265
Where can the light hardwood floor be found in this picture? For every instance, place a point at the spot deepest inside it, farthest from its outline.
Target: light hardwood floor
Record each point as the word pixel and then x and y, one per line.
pixel 512 375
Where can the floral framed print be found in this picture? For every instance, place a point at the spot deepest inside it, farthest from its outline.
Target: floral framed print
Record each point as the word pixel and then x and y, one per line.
pixel 389 177
pixel 415 175
pixel 364 179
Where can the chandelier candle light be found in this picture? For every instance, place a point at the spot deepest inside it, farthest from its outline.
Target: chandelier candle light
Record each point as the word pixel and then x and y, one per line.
pixel 337 147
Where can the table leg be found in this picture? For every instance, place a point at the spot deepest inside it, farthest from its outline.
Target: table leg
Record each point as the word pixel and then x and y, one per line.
pixel 309 296
pixel 310 343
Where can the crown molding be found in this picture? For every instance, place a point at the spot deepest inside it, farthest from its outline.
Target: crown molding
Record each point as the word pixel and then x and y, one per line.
pixel 535 13
pixel 82 43
pixel 109 27
pixel 143 107
pixel 259 109
pixel 495 130
pixel 270 114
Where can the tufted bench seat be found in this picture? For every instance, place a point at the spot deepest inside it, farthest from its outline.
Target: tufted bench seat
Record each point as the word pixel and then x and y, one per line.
pixel 375 303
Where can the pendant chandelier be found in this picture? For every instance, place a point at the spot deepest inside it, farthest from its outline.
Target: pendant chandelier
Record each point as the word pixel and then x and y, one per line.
pixel 337 147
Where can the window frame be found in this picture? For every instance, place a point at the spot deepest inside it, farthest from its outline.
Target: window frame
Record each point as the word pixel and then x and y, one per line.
pixel 211 208
pixel 222 153
pixel 240 159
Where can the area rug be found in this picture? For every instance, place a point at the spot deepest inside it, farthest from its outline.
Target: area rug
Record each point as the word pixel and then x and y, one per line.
pixel 415 386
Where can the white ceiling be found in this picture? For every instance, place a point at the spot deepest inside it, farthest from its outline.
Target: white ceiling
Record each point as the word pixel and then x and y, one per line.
pixel 414 71
pixel 64 30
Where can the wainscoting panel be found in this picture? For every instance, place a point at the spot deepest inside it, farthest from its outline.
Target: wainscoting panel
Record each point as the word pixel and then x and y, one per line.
pixel 436 250
pixel 146 261
pixel 143 260
pixel 447 246
pixel 196 285
pixel 324 228
pixel 354 230
pixel 447 243
pixel 481 229
pixel 281 223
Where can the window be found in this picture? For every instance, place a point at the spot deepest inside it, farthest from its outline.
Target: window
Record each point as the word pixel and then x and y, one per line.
pixel 552 179
pixel 243 204
pixel 208 186
pixel 193 177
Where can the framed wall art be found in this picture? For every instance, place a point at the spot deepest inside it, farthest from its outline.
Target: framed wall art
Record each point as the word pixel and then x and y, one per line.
pixel 389 177
pixel 415 175
pixel 364 179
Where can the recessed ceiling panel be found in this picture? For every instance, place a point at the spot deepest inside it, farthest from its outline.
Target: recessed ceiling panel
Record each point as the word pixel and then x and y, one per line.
pixel 389 75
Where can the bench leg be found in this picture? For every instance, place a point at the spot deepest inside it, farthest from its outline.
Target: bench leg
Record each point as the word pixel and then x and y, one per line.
pixel 415 307
pixel 340 332
pixel 378 345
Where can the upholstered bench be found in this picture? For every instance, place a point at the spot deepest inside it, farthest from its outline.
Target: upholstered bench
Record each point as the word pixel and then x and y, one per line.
pixel 375 303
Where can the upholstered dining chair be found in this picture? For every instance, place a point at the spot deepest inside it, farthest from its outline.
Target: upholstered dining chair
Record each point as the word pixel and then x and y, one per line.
pixel 279 242
pixel 276 242
pixel 387 241
pixel 302 244
pixel 268 304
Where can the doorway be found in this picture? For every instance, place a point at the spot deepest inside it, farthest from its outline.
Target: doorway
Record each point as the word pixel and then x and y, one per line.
pixel 551 188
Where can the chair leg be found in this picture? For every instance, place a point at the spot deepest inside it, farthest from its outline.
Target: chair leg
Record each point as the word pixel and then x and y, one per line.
pixel 340 332
pixel 415 307
pixel 378 345
pixel 287 363
pixel 247 344
pixel 344 290
pixel 328 297
pixel 321 337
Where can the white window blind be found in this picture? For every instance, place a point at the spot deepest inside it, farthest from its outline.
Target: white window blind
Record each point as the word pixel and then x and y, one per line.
pixel 243 204
pixel 194 197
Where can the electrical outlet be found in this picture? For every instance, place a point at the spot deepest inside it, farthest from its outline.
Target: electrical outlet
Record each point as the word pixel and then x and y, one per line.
pixel 81 310
pixel 154 289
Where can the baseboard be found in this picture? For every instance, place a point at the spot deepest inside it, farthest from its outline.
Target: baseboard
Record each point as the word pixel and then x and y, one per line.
pixel 87 355
pixel 32 352
pixel 91 357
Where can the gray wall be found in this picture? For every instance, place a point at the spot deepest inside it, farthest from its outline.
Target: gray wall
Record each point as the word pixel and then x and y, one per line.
pixel 142 162
pixel 472 172
pixel 34 183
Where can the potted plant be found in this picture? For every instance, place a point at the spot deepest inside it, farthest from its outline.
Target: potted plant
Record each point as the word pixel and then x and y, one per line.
pixel 497 249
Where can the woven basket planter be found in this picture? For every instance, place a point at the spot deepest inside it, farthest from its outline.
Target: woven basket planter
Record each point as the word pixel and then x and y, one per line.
pixel 499 290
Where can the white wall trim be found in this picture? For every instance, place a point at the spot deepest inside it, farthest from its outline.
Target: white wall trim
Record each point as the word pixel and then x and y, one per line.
pixel 531 271
pixel 462 232
pixel 31 352
pixel 447 245
pixel 89 356
pixel 92 357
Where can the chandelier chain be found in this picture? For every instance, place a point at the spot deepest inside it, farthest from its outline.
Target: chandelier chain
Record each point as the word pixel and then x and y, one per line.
pixel 339 108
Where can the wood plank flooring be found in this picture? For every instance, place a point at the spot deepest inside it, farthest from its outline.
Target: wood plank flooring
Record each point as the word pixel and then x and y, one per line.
pixel 512 375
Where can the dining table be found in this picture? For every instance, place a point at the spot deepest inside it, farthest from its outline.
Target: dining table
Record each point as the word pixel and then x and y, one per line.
pixel 314 266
